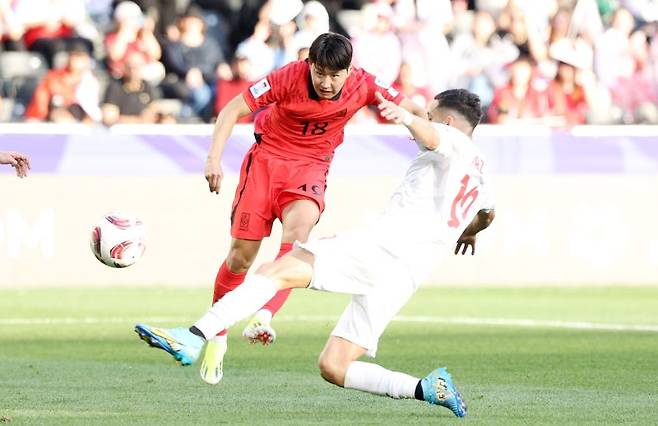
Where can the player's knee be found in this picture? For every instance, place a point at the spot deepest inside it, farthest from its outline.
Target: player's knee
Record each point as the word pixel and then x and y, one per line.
pixel 238 261
pixel 332 369
pixel 299 232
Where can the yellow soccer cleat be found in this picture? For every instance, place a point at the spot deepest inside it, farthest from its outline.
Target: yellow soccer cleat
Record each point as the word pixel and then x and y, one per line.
pixel 212 366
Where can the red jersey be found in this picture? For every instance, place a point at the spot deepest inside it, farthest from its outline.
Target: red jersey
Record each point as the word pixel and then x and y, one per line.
pixel 300 125
pixel 58 88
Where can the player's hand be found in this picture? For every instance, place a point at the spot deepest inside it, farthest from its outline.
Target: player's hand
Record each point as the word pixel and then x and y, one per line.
pixel 18 161
pixel 214 174
pixel 464 242
pixel 389 110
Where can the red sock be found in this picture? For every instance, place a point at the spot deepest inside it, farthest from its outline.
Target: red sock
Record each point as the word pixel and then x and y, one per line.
pixel 280 297
pixel 225 281
pixel 285 248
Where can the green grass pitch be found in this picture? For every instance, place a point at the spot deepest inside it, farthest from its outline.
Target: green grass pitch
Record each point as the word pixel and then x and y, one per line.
pixel 70 356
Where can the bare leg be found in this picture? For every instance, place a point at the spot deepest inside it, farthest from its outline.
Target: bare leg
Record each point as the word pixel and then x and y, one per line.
pixel 242 254
pixel 232 271
pixel 297 219
pixel 338 365
pixel 336 357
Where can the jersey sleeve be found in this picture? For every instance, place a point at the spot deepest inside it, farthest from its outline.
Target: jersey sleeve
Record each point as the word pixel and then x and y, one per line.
pixel 388 91
pixel 487 195
pixel 447 136
pixel 270 89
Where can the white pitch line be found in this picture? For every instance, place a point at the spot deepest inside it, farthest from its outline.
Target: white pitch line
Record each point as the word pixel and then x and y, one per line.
pixel 503 322
pixel 506 322
pixel 88 320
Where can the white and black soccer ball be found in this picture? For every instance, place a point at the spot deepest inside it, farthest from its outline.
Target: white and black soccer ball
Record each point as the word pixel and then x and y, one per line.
pixel 118 240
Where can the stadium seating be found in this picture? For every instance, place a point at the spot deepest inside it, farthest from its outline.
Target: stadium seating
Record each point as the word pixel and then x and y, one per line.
pixel 20 73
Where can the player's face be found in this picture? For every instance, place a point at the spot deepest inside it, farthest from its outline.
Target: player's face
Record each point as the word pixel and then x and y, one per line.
pixel 439 115
pixel 327 83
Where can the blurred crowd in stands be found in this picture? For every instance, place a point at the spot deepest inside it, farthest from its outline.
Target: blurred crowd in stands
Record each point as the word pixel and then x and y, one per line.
pixel 555 62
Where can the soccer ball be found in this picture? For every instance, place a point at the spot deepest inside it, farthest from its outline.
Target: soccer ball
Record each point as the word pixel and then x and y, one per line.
pixel 118 240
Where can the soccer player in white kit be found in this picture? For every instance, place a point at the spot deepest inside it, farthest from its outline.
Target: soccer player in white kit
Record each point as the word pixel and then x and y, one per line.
pixel 445 198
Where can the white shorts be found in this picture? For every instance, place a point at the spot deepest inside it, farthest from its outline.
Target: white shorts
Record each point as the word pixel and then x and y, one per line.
pixel 381 285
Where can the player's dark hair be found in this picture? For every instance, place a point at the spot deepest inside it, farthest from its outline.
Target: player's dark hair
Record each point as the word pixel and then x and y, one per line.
pixel 331 51
pixel 463 102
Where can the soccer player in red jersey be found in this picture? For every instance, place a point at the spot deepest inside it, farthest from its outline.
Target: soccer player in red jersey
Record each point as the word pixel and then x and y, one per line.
pixel 284 173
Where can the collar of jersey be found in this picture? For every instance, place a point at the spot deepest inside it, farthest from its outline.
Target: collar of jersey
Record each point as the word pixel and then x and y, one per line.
pixel 314 95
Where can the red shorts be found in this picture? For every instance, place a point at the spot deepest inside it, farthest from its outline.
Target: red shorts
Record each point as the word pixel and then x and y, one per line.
pixel 268 183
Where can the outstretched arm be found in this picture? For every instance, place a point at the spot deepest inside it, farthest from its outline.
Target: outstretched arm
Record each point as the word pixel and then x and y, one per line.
pixel 226 119
pixel 413 108
pixel 19 161
pixel 481 221
pixel 421 129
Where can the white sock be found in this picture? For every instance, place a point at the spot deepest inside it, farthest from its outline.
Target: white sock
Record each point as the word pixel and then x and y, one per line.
pixel 368 377
pixel 222 339
pixel 236 305
pixel 264 316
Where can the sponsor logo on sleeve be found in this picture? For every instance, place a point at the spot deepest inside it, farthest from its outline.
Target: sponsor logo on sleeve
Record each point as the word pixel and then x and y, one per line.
pixel 260 88
pixel 381 83
pixel 389 89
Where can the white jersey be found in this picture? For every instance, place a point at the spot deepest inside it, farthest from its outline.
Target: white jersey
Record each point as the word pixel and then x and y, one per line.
pixel 441 193
pixel 383 263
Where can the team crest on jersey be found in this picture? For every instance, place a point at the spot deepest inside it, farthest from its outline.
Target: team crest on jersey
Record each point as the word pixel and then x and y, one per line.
pixel 260 88
pixel 244 221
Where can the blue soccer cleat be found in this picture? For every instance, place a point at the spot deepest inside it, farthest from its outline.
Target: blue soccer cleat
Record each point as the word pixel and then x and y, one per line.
pixel 180 342
pixel 438 389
